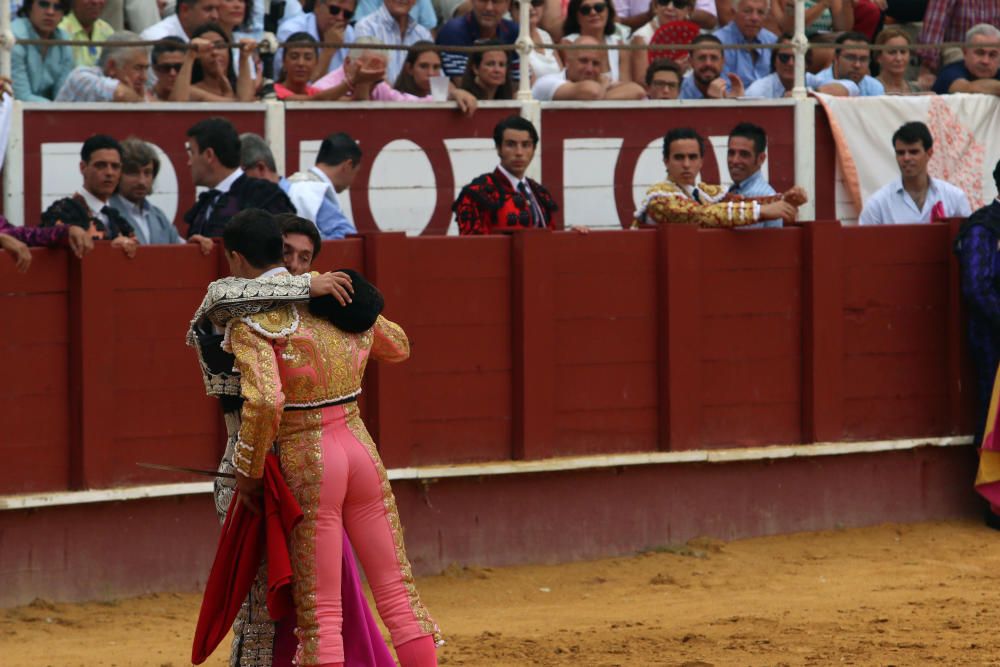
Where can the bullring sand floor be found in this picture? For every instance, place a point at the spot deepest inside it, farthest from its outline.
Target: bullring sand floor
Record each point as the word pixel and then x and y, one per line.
pixel 922 594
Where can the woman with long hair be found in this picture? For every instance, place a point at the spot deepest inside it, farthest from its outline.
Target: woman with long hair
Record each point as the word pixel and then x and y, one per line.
pixel 487 74
pixel 422 63
pixel 596 19
pixel 543 59
pixel 38 72
pixel 208 75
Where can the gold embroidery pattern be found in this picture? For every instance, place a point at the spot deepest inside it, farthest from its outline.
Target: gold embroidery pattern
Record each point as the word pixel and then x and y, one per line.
pixel 253 630
pixel 302 465
pixel 264 401
pixel 391 343
pixel 423 616
pixel 667 202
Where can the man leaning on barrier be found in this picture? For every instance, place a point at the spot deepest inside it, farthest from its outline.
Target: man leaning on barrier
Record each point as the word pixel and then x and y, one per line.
pixel 120 74
pixel 582 79
pixel 682 199
pixel 851 60
pixel 979 69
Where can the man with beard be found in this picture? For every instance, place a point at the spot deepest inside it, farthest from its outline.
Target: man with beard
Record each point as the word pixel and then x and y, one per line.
pixel 682 199
pixel 140 166
pixel 705 78
pixel 914 196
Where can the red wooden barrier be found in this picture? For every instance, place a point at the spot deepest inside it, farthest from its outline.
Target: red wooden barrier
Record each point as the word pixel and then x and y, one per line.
pixel 34 367
pixel 524 347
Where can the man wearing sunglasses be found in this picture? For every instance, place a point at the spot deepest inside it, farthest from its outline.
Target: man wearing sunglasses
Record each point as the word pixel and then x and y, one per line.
pixel 328 21
pixel 485 21
pixel 747 27
pixel 190 14
pixel 780 83
pixel 851 58
pixel 168 58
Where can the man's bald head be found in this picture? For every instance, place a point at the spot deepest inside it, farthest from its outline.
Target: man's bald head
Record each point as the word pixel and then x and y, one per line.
pixel 584 64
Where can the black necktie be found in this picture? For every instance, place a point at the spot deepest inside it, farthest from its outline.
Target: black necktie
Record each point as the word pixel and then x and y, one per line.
pixel 537 220
pixel 697 197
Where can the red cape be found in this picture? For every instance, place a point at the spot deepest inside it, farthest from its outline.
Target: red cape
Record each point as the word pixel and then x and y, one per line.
pixel 245 535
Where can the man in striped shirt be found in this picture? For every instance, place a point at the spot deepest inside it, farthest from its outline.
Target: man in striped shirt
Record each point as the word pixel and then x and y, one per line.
pixel 485 21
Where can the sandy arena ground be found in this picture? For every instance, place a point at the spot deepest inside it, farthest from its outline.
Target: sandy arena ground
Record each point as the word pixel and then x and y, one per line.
pixel 922 594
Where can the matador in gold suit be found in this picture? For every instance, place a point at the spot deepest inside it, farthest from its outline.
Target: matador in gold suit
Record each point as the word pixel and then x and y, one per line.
pixel 702 204
pixel 300 377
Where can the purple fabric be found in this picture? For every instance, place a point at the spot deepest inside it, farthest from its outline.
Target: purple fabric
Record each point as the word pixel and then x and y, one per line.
pixel 35 236
pixel 363 642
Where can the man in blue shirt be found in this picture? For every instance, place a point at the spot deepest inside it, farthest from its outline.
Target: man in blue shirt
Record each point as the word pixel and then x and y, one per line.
pixel 747 27
pixel 328 22
pixel 314 192
pixel 746 154
pixel 780 83
pixel 979 69
pixel 485 21
pixel 705 80
pixel 851 59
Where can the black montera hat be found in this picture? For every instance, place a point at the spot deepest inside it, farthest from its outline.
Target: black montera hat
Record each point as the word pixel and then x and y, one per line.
pixel 357 316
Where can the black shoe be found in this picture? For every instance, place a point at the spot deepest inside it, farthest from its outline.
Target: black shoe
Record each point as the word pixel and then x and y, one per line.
pixel 992 520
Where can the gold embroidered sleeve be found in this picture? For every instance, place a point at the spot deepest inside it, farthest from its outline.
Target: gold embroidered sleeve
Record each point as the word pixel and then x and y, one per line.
pixel 264 400
pixel 675 209
pixel 391 343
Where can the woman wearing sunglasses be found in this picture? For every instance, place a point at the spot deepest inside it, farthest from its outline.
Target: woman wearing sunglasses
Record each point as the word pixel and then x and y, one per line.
pixel 40 71
pixel 543 58
pixel 664 12
pixel 596 19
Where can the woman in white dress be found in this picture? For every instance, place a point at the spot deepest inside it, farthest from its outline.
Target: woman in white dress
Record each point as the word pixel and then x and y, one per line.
pixel 543 58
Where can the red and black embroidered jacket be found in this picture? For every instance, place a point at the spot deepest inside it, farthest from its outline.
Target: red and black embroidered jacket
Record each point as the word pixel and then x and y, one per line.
pixel 490 204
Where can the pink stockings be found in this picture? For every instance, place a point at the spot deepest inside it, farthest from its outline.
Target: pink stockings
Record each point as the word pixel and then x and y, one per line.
pixel 334 470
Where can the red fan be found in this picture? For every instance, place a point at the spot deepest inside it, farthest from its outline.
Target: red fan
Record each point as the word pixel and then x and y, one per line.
pixel 675 32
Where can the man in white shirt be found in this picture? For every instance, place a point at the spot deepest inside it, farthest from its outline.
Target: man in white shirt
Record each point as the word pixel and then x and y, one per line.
pixel 190 14
pixel 314 191
pixel 582 80
pixel 915 196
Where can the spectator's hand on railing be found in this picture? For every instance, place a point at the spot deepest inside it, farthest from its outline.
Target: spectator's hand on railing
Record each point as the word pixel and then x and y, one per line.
pixel 336 284
pixel 201 46
pixel 778 209
pixel 204 242
pixel 80 242
pixel 18 250
pixel 736 88
pixel 580 229
pixel 127 244
pixel 465 101
pixel 796 196
pixel 248 47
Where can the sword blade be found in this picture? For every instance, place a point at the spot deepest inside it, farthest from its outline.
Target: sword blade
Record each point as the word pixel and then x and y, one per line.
pixel 196 471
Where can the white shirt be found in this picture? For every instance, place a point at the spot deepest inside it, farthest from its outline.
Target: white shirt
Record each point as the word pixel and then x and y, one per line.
pixel 94 204
pixel 893 205
pixel 168 27
pixel 545 63
pixel 223 187
pixel 545 87
pixel 272 272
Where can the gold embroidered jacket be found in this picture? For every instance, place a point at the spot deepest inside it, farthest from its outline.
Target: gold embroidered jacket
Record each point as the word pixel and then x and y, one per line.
pixel 668 202
pixel 289 358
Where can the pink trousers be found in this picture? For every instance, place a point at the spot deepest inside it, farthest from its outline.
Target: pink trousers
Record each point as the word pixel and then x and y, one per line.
pixel 334 470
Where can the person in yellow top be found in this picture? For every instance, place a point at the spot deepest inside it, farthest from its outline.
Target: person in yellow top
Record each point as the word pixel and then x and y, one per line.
pixel 84 23
pixel 681 199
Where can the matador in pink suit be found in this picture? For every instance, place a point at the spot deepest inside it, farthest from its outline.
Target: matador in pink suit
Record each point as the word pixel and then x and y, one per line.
pixel 300 379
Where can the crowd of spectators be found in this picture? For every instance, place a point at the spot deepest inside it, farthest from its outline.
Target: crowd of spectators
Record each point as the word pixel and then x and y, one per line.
pixel 212 49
